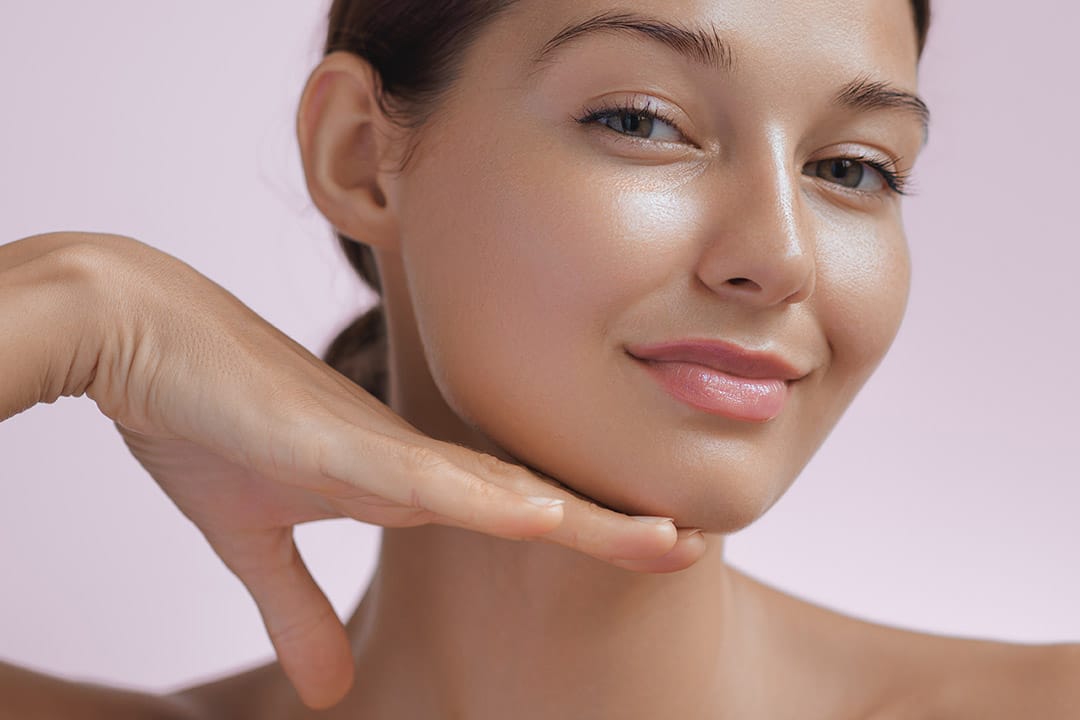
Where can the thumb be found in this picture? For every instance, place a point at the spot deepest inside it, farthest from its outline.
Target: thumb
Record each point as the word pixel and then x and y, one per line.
pixel 309 639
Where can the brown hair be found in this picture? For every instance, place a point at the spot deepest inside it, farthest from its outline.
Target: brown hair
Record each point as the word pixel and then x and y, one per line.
pixel 416 47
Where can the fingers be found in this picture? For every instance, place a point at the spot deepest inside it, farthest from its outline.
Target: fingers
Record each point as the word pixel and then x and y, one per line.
pixel 418 476
pixel 460 487
pixel 602 533
pixel 586 527
pixel 309 639
pixel 688 550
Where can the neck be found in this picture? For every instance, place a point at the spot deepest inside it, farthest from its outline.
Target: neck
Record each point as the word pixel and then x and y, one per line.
pixel 458 624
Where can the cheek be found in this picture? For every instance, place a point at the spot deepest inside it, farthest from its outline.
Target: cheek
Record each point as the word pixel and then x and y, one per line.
pixel 865 278
pixel 518 267
pixel 526 270
pixel 858 304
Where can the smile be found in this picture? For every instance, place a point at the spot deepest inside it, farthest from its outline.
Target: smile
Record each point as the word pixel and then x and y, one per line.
pixel 718 393
pixel 720 378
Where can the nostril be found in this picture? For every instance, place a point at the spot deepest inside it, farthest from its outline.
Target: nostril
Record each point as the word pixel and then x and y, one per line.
pixel 739 282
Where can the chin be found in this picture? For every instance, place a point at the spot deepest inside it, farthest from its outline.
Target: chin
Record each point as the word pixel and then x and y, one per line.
pixel 716 504
pixel 716 475
pixel 698 496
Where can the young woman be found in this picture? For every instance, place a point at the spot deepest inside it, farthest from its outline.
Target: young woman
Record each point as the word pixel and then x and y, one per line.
pixel 635 258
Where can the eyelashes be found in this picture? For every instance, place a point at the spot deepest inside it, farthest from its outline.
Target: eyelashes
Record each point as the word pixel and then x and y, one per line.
pixel 838 170
pixel 644 122
pixel 899 181
pixel 632 117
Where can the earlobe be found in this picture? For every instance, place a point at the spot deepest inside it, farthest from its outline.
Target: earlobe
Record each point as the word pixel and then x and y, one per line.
pixel 343 144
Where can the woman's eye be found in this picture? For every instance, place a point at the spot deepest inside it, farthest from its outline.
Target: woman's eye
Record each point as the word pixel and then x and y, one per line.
pixel 849 173
pixel 640 124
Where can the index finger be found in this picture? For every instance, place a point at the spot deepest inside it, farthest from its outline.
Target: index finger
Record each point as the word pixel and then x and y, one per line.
pixel 586 526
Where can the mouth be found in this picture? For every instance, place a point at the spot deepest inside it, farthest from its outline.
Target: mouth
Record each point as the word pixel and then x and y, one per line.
pixel 720 378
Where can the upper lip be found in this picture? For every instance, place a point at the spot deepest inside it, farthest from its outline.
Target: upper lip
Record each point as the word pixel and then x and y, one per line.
pixel 720 355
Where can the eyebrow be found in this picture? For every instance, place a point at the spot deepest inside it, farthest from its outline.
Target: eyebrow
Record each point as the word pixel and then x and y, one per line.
pixel 706 45
pixel 865 93
pixel 701 45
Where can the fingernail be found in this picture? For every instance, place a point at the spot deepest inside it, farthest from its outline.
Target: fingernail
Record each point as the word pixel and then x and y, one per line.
pixel 691 532
pixel 545 502
pixel 652 520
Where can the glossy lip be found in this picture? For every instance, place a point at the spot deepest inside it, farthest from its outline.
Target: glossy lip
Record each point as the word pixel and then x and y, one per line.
pixel 723 356
pixel 720 378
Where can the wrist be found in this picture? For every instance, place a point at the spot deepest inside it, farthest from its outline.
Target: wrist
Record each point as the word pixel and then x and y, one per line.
pixel 50 318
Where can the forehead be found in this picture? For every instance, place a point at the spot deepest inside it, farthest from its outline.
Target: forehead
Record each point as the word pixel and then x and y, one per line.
pixel 841 38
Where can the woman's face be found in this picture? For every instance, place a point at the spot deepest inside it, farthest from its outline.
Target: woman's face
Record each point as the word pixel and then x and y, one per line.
pixel 549 223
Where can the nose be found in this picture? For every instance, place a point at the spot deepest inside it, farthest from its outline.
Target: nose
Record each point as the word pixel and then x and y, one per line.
pixel 761 249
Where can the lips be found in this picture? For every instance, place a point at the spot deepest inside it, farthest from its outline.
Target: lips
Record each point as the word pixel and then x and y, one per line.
pixel 718 355
pixel 720 378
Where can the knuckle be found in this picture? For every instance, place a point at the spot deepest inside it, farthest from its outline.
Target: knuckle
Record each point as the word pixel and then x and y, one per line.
pixel 93 255
pixel 296 628
pixel 595 511
pixel 81 262
pixel 515 478
pixel 422 461
pixel 480 490
pixel 585 531
pixel 492 465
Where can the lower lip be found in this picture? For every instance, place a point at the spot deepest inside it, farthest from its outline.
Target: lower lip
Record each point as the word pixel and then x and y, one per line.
pixel 738 398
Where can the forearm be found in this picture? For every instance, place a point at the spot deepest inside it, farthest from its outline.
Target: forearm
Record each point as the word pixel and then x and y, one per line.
pixel 29 695
pixel 49 335
pixel 52 323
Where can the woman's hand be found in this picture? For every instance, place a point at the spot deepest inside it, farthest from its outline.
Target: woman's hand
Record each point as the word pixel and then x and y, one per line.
pixel 251 434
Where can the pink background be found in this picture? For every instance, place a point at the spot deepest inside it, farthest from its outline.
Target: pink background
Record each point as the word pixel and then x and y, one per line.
pixel 946 500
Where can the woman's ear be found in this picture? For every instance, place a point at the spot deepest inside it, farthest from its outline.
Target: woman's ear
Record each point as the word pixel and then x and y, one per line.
pixel 345 140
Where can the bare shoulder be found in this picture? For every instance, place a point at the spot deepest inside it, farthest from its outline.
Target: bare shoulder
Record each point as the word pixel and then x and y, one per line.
pixel 1006 680
pixel 902 674
pixel 31 695
pixel 262 692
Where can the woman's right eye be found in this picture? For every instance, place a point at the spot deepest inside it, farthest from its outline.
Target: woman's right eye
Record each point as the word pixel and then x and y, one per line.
pixel 642 123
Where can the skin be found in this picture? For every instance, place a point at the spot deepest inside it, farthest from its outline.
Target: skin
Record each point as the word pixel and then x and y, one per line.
pixel 642 248
pixel 520 252
pixel 562 243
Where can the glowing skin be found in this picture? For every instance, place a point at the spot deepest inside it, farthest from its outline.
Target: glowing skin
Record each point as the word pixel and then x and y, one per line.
pixel 536 248
pixel 522 251
pixel 527 250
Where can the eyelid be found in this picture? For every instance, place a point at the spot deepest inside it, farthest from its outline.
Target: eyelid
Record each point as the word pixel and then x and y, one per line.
pixel 863 151
pixel 887 164
pixel 636 103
